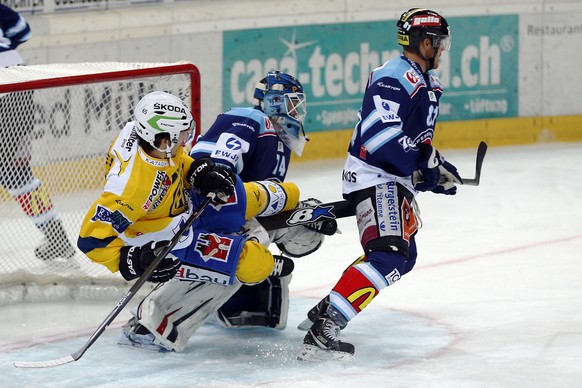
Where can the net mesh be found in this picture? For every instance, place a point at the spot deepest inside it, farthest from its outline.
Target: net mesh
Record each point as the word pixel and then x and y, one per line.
pixel 57 123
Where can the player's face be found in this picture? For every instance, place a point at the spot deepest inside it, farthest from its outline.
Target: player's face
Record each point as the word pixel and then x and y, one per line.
pixel 296 105
pixel 182 138
pixel 291 108
pixel 437 57
pixel 440 44
pixel 184 135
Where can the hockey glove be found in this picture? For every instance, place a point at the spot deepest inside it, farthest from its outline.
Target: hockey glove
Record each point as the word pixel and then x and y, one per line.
pixel 205 176
pixel 449 178
pixel 135 260
pixel 428 175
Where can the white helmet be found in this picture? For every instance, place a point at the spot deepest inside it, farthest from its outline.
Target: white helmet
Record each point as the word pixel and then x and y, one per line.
pixel 161 112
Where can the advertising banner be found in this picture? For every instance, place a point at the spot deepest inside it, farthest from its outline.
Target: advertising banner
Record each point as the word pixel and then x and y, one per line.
pixel 333 62
pixel 47 6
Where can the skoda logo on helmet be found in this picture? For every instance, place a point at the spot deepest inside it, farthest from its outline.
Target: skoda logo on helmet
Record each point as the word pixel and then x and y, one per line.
pixel 168 107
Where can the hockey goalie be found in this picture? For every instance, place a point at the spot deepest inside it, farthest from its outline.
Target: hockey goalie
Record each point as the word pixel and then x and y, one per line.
pixel 146 198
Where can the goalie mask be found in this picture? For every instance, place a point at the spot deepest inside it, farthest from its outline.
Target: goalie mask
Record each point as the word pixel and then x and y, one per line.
pixel 159 112
pixel 281 97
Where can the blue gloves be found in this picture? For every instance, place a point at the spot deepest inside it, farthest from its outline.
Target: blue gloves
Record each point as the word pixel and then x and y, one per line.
pixel 435 173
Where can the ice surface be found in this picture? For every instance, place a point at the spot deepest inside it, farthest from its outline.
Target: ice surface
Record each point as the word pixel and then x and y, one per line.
pixel 494 301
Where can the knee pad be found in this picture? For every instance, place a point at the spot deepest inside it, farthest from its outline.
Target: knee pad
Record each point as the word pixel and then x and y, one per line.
pixel 255 264
pixel 389 264
pixel 394 244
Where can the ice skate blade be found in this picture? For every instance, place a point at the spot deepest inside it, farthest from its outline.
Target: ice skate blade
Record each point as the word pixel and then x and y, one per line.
pixel 312 353
pixel 151 347
pixel 305 325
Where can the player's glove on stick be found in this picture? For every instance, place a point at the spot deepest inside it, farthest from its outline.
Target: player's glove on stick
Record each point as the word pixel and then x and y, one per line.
pixel 435 173
pixel 429 169
pixel 205 176
pixel 134 261
pixel 449 178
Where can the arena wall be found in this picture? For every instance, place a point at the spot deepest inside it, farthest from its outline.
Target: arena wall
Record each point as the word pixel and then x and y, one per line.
pixel 507 76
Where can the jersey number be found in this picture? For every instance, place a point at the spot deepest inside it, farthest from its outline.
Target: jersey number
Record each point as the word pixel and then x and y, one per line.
pixel 433 112
pixel 281 166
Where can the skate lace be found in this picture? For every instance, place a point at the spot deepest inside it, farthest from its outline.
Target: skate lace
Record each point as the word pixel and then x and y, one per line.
pixel 278 268
pixel 331 330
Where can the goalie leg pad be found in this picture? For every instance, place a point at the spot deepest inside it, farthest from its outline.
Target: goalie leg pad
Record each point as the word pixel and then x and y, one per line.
pixel 256 232
pixel 265 305
pixel 173 311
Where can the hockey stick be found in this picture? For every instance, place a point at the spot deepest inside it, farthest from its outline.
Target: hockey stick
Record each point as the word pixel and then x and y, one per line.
pixel 329 212
pixel 326 212
pixel 481 151
pixel 124 300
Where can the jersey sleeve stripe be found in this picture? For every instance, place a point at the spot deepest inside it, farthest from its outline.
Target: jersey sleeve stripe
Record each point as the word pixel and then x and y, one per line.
pixel 382 138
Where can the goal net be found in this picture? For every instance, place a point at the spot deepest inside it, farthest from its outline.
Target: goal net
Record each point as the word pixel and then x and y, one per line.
pixel 56 124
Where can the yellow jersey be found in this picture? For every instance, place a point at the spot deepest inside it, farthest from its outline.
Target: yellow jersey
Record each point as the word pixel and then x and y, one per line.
pixel 144 199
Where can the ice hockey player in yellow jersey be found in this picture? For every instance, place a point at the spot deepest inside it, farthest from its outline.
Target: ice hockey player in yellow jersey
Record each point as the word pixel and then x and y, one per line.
pixel 152 186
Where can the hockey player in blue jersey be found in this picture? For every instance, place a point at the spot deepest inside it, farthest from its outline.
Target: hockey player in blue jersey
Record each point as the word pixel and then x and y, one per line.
pixel 256 142
pixel 390 159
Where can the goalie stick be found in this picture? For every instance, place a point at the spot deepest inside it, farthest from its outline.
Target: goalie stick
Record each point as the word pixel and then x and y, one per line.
pixel 329 212
pixel 326 212
pixel 124 300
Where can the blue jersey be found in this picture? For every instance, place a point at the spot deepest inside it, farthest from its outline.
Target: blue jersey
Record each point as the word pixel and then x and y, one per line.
pixel 245 139
pixel 399 110
pixel 14 30
pixel 224 218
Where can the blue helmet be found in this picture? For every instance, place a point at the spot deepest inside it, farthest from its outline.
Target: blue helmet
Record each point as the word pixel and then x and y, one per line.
pixel 281 97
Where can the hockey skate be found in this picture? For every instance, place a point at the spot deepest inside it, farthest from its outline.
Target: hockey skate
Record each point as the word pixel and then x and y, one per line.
pixel 55 243
pixel 135 335
pixel 322 342
pixel 319 308
pixel 312 314
pixel 283 266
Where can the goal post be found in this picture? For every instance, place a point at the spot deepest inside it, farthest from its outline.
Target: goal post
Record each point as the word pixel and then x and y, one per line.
pixel 57 122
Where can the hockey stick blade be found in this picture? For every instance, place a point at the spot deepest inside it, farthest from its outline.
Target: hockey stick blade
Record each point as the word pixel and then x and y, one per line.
pixel 45 364
pixel 481 151
pixel 124 300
